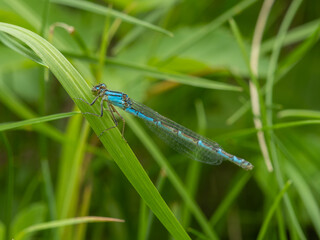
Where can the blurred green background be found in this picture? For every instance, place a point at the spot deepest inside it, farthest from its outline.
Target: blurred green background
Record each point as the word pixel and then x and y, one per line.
pixel 198 78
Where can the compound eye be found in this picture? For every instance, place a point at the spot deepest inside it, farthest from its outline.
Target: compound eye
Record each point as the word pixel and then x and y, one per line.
pixel 97 88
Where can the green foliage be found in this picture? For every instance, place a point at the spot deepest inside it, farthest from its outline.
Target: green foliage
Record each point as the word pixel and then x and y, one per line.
pixel 193 61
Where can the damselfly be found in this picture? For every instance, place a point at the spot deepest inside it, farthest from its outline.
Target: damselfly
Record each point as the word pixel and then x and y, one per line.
pixel 177 136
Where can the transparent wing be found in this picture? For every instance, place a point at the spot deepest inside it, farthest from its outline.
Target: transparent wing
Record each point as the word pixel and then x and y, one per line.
pixel 180 138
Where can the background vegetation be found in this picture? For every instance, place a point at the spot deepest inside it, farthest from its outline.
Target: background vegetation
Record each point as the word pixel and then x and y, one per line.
pixel 200 63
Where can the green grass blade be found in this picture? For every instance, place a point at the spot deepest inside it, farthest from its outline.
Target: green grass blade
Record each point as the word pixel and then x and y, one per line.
pixel 164 74
pixel 199 235
pixel 194 168
pixel 209 28
pixel 99 9
pixel 69 169
pixel 21 110
pixel 49 190
pixel 160 184
pixel 235 190
pixel 293 8
pixel 272 210
pixel 249 131
pixel 77 87
pixel 143 221
pixel 16 46
pixel 239 113
pixel 295 35
pixel 294 124
pixel 30 215
pixel 8 126
pixel 70 176
pixel 297 54
pixel 138 31
pixel 63 223
pixel 306 193
pixel 281 226
pixel 298 113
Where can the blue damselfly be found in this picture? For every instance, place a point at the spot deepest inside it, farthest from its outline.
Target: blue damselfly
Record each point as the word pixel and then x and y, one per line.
pixel 180 138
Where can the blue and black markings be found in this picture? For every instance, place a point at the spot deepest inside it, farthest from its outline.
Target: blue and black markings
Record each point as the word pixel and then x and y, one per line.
pixel 204 149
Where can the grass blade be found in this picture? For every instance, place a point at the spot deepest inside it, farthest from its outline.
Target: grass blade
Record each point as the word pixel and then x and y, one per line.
pixel 310 202
pixel 98 9
pixel 16 46
pixel 164 74
pixel 8 126
pixel 77 87
pixel 295 35
pixel 230 198
pixel 63 223
pixel 273 208
pixel 299 113
pixel 209 28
